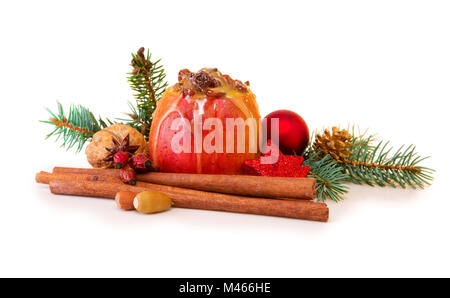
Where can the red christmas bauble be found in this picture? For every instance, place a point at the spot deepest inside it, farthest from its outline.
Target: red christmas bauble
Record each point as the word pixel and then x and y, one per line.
pixel 293 131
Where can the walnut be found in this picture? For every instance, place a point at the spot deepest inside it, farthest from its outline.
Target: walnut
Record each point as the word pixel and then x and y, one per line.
pixel 96 151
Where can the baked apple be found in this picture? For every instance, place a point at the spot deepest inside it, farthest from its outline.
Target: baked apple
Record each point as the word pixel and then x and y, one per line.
pixel 206 123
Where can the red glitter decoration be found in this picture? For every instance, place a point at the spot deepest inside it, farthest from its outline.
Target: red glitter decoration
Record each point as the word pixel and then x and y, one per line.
pixel 286 166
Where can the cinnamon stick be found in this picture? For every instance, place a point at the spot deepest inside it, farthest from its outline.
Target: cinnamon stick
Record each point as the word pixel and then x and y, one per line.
pixel 194 199
pixel 246 185
pixel 45 177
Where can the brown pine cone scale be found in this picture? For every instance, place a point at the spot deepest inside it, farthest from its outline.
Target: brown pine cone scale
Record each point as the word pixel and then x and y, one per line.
pixel 335 144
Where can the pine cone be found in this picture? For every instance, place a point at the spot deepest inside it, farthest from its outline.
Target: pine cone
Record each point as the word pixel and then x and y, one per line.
pixel 336 145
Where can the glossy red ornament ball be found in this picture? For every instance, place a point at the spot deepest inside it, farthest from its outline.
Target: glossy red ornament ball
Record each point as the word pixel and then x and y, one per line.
pixel 293 131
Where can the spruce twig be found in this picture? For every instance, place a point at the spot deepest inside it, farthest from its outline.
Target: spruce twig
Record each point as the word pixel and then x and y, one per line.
pixel 75 128
pixel 147 79
pixel 330 179
pixel 371 163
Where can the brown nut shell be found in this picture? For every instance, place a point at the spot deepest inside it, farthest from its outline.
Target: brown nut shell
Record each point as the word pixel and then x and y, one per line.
pixel 151 202
pixel 96 152
pixel 124 200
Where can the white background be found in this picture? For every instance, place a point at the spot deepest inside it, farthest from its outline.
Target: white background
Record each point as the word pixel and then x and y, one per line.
pixel 379 64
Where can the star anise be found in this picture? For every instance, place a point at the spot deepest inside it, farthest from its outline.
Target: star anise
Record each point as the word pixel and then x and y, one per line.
pixel 122 146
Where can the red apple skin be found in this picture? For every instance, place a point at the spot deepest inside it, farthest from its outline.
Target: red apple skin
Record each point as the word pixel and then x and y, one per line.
pixel 173 105
pixel 293 131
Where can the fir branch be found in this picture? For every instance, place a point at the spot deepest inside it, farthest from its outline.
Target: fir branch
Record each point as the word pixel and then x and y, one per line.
pixel 371 163
pixel 148 81
pixel 330 179
pixel 75 128
pixel 134 119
